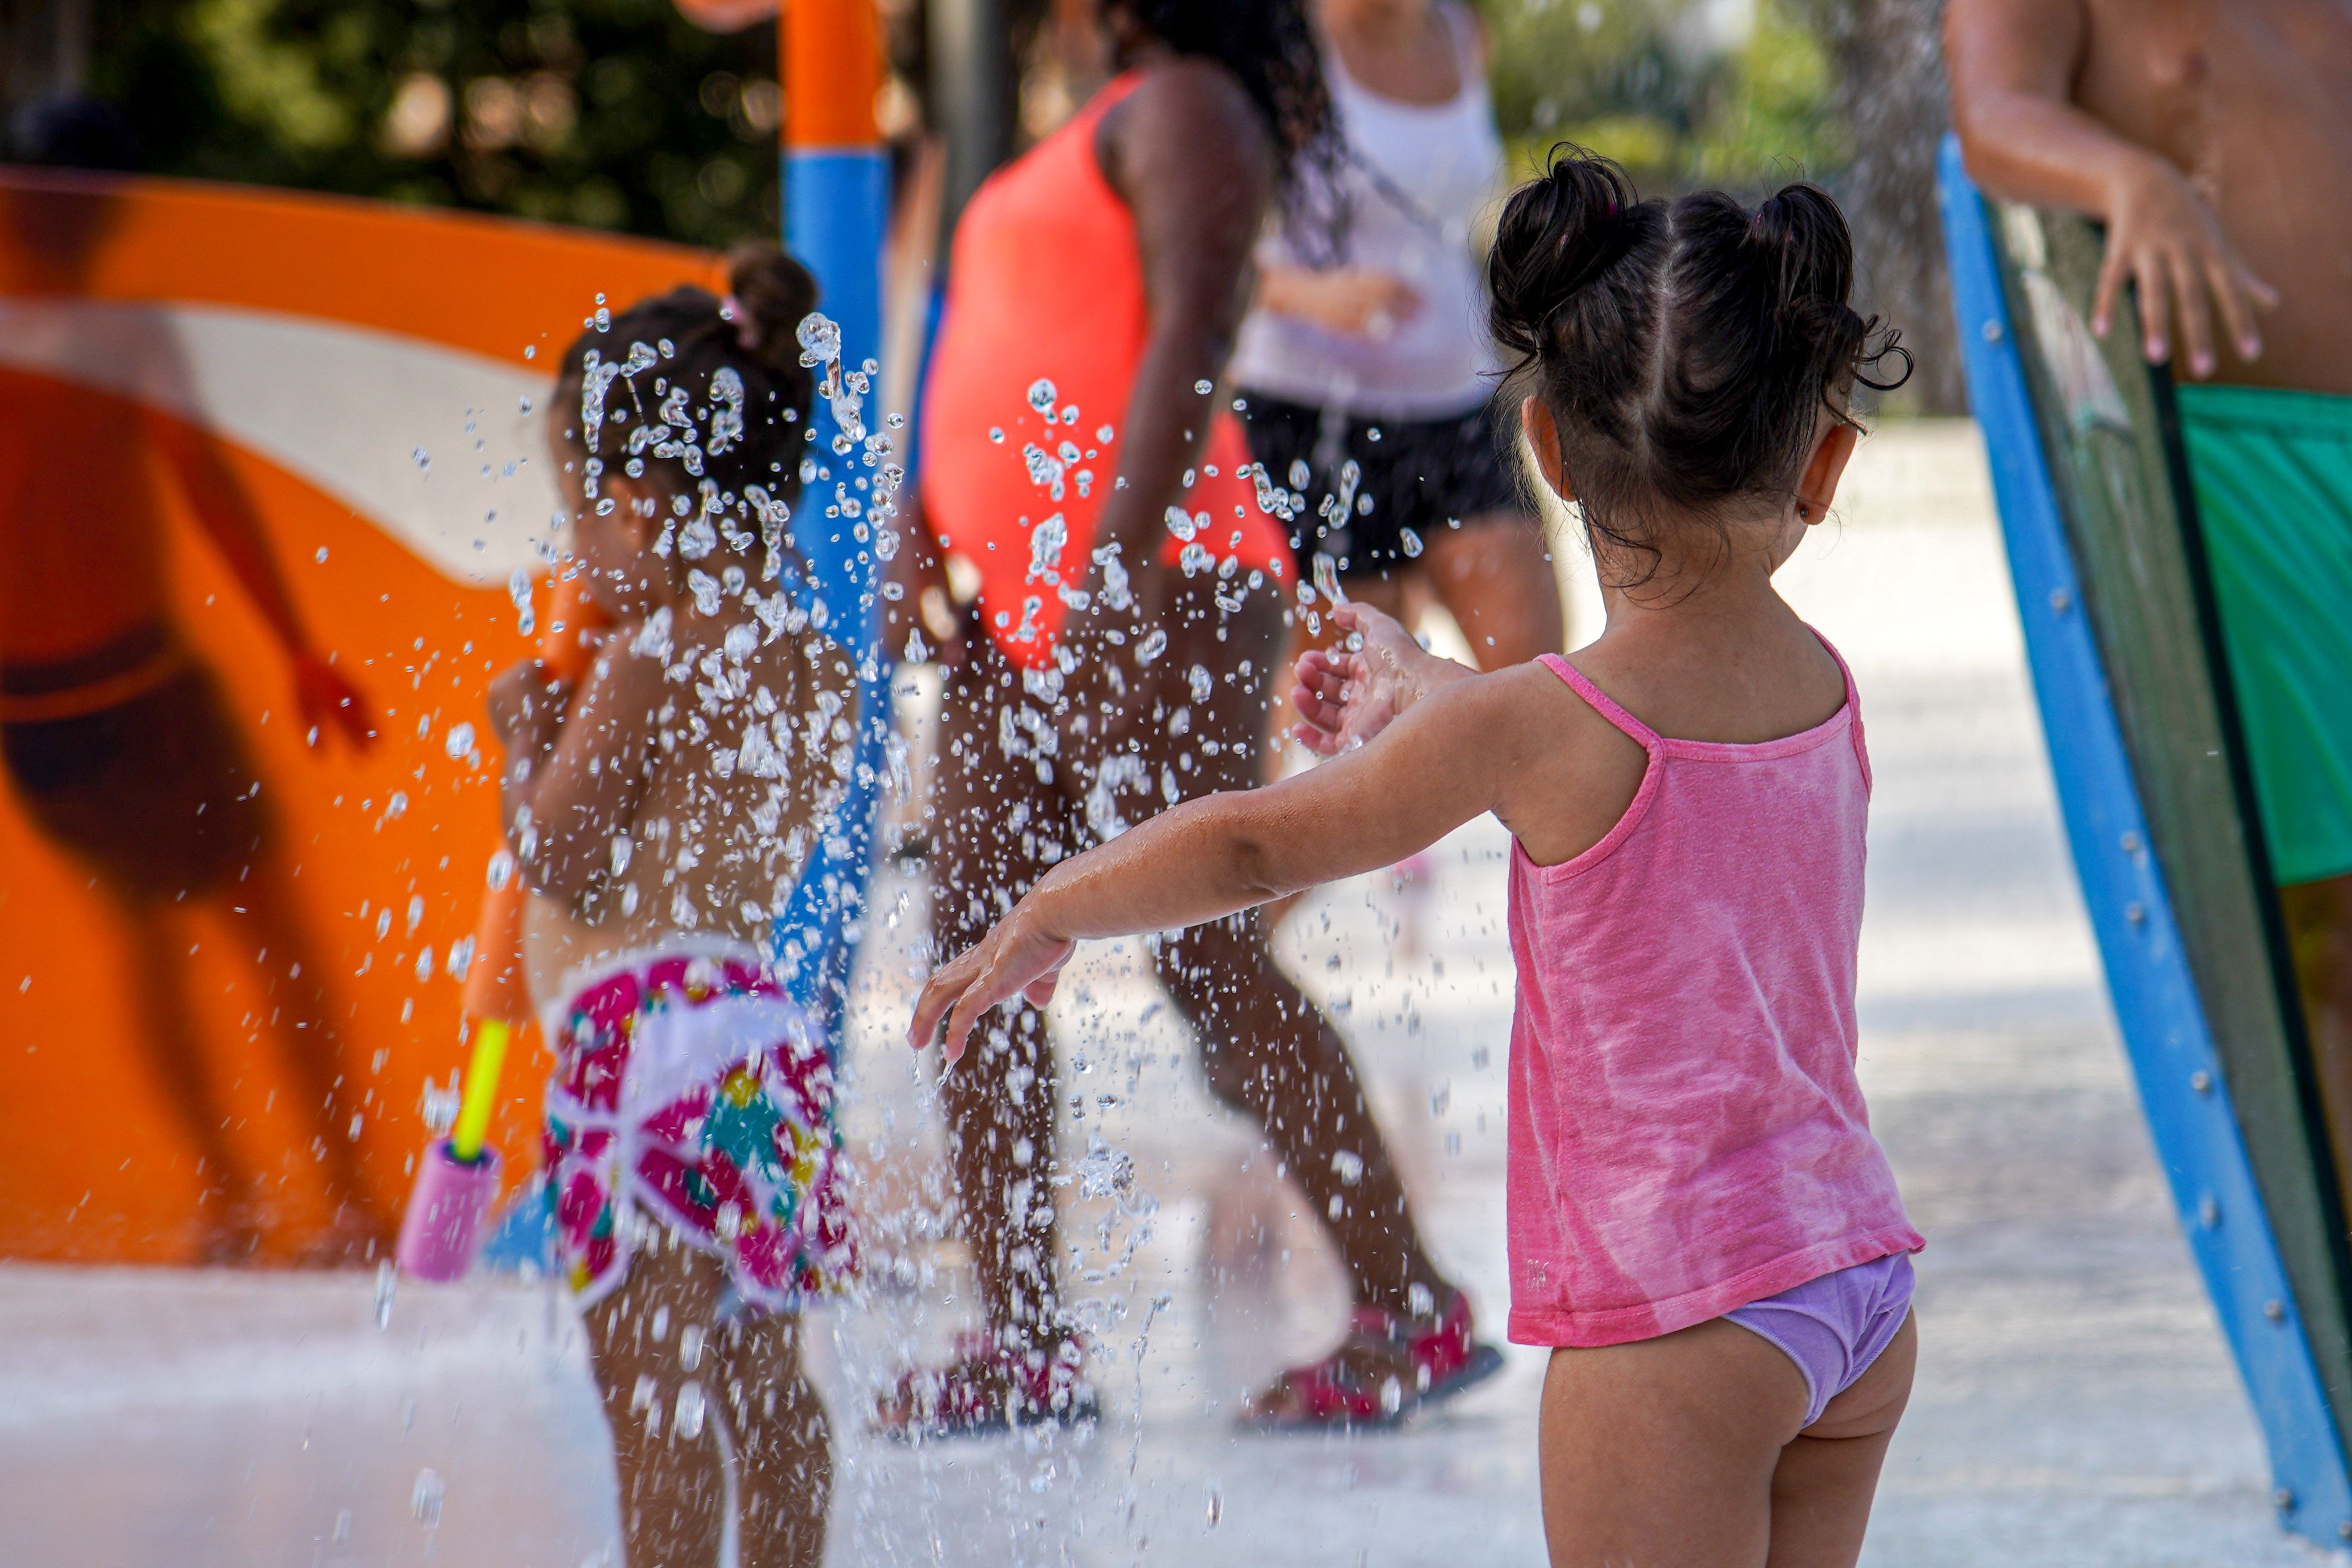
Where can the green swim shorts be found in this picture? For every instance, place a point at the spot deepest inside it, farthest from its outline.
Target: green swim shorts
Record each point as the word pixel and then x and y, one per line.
pixel 2272 471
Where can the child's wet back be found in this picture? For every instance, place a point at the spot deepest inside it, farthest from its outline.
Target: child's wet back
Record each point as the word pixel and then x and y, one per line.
pixel 664 813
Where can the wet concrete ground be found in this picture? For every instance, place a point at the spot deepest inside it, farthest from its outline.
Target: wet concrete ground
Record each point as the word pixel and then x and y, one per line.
pixel 2076 1405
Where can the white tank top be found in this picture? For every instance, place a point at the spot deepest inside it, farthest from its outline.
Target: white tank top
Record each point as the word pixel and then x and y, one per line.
pixel 1416 179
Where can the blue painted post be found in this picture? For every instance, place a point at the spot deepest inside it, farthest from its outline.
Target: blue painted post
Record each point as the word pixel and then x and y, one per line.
pixel 2164 1026
pixel 836 180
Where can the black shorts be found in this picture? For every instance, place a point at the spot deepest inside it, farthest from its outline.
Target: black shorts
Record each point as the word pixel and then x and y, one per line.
pixel 1418 476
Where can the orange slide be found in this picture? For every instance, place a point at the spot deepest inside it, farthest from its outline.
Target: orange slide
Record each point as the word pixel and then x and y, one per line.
pixel 227 931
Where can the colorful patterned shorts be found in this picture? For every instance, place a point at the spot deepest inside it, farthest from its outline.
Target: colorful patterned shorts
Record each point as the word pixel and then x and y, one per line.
pixel 689 1089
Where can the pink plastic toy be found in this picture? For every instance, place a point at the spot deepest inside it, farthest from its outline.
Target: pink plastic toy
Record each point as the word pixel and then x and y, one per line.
pixel 443 1227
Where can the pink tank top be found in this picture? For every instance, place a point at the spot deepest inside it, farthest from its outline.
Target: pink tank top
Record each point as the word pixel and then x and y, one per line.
pixel 1045 301
pixel 1686 1133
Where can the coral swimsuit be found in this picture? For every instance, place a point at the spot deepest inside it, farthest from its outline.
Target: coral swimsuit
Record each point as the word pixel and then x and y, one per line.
pixel 1046 327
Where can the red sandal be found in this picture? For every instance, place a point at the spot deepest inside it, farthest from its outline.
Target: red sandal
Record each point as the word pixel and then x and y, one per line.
pixel 1429 1364
pixel 987 1387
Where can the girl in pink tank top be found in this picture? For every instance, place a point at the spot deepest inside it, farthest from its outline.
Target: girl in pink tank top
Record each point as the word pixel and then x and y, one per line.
pixel 1702 1227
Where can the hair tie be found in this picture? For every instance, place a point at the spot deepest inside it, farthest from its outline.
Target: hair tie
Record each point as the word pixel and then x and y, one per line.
pixel 747 332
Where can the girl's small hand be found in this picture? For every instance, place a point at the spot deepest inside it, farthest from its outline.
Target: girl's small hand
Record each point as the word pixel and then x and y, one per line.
pixel 1016 958
pixel 526 704
pixel 1346 697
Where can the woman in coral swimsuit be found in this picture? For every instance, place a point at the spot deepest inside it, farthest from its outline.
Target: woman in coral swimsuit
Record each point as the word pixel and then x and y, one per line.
pixel 1132 591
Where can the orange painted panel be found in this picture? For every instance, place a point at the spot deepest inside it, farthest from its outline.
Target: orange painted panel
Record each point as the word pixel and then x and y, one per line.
pixel 374 858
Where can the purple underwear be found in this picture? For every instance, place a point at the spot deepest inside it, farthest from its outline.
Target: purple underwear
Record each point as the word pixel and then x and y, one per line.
pixel 1834 1327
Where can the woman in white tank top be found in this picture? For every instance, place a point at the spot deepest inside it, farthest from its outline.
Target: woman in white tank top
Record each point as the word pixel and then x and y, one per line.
pixel 1380 356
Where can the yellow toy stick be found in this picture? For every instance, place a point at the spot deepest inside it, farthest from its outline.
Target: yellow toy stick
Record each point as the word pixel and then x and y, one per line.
pixel 459 1177
pixel 490 1036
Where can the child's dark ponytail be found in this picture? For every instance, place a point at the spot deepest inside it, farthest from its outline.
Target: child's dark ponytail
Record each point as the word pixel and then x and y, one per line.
pixel 705 397
pixel 771 294
pixel 1686 352
pixel 1559 235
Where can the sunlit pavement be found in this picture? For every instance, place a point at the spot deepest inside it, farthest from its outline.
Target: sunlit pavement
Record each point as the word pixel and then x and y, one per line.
pixel 2076 1405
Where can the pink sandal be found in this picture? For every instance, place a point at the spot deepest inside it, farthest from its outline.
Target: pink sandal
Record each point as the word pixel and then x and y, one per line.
pixel 1331 1394
pixel 987 1387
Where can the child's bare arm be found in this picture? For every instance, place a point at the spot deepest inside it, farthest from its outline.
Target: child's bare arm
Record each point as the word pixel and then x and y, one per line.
pixel 578 764
pixel 1450 757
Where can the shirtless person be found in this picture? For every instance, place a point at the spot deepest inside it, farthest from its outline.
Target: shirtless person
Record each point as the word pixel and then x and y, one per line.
pixel 2215 141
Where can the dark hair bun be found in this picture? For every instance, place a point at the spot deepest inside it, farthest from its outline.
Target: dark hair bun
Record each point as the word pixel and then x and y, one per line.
pixel 685 390
pixel 1688 352
pixel 774 294
pixel 1558 235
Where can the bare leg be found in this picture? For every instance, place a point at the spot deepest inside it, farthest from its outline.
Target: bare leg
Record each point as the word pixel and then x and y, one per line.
pixel 1265 1048
pixel 1683 1452
pixel 1269 1051
pixel 676 1385
pixel 784 1443
pixel 1828 1477
pixel 2319 934
pixel 992 822
pixel 1495 579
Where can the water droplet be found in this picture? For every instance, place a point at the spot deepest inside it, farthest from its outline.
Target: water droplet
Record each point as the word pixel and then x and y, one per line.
pixel 1327 578
pixel 424 1499
pixel 1042 395
pixel 460 740
pixel 1410 540
pixel 321 556
pixel 691 1408
pixel 1203 387
pixel 387 1279
pixel 1216 1505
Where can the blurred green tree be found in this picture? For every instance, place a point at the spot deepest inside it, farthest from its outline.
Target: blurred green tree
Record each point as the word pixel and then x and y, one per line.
pixel 611 114
pixel 1685 93
pixel 1746 95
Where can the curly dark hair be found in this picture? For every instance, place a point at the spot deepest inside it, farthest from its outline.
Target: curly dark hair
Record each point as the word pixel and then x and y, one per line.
pixel 703 397
pixel 1270 47
pixel 1685 349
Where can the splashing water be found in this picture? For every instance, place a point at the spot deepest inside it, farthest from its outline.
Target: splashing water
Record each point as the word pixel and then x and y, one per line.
pixel 1327 578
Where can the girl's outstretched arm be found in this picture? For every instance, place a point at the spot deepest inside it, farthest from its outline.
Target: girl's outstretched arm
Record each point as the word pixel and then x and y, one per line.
pixel 1449 757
